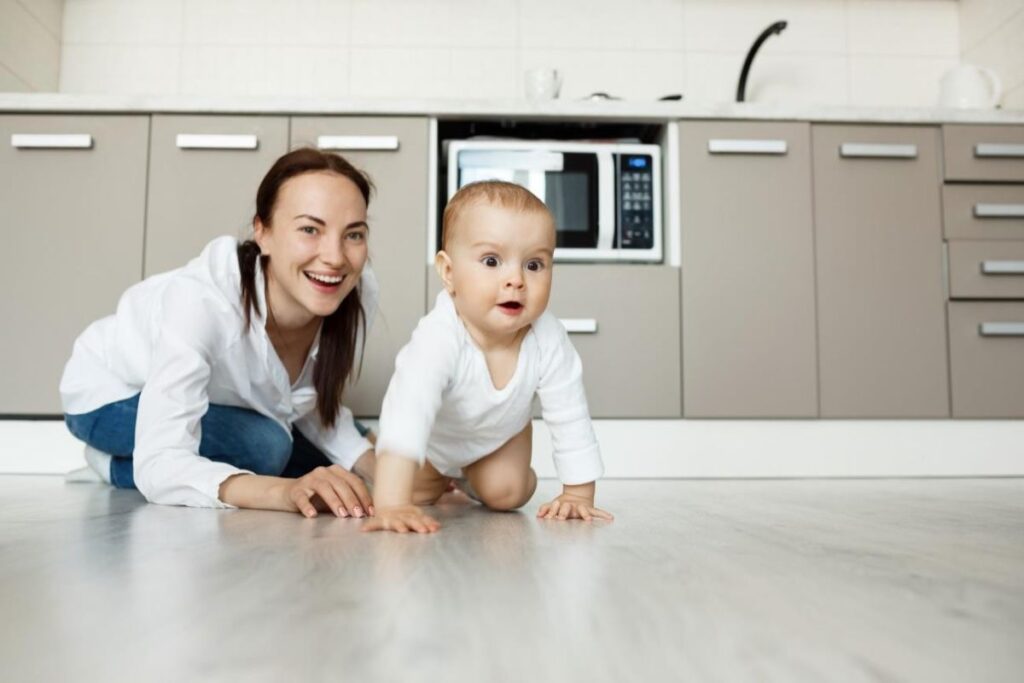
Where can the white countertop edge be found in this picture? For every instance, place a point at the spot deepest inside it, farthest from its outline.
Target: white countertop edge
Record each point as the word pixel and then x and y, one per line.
pixel 612 110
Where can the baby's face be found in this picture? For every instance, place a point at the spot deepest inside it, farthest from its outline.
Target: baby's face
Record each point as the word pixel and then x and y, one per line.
pixel 498 268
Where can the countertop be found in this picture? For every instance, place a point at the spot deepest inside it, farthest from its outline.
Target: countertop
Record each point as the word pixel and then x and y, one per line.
pixel 621 110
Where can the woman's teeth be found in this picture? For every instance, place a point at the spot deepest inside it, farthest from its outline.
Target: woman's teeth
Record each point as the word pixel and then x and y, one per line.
pixel 325 279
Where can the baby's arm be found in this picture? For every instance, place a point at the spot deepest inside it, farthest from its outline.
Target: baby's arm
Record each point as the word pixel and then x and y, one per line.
pixel 423 370
pixel 392 497
pixel 564 408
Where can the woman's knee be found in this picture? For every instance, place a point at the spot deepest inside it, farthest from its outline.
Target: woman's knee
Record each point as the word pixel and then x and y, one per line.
pixel 245 439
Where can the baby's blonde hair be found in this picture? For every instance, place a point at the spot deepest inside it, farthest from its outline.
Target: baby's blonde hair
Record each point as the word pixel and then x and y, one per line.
pixel 493 193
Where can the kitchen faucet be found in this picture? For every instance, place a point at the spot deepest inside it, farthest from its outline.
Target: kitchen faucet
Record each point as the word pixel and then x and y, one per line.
pixel 775 28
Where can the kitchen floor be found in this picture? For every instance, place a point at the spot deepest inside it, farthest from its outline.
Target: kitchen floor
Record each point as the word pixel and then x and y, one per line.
pixel 704 580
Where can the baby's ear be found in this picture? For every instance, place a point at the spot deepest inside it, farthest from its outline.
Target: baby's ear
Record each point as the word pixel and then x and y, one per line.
pixel 443 265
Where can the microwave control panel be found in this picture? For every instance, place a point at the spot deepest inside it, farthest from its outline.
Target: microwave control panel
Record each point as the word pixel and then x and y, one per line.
pixel 635 199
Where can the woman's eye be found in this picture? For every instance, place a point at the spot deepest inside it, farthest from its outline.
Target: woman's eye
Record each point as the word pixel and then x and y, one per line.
pixel 535 266
pixel 308 229
pixel 491 261
pixel 356 236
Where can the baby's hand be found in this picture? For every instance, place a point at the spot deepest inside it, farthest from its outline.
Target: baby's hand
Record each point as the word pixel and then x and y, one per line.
pixel 403 519
pixel 569 506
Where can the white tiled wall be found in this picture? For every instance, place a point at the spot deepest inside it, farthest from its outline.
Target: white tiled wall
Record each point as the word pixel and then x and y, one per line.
pixel 30 34
pixel 992 35
pixel 833 52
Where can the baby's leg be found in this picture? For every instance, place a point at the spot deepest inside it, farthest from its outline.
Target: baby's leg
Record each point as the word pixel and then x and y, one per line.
pixel 504 479
pixel 428 485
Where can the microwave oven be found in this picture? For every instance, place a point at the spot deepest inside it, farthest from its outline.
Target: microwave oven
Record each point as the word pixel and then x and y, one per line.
pixel 605 196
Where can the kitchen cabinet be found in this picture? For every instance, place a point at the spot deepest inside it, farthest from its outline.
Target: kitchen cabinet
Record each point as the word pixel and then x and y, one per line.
pixel 986 342
pixel 881 301
pixel 624 322
pixel 748 315
pixel 986 269
pixel 73 192
pixel 203 175
pixel 983 153
pixel 393 152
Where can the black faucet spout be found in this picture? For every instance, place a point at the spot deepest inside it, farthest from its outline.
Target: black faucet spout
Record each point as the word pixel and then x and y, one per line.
pixel 776 28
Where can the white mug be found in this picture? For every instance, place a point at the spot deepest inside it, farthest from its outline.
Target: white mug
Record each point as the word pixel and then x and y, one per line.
pixel 970 87
pixel 543 83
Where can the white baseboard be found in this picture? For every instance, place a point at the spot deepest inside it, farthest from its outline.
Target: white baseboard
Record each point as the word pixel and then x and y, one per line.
pixel 697 448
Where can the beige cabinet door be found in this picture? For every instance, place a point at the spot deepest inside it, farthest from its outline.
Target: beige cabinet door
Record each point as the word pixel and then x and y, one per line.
pixel 748 270
pixel 73 209
pixel 203 175
pixel 881 304
pixel 986 342
pixel 393 152
pixel 624 322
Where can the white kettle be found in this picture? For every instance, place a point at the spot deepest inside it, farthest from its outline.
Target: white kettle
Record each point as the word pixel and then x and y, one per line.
pixel 970 87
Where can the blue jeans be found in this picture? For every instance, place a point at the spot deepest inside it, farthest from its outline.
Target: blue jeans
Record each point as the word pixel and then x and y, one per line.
pixel 237 436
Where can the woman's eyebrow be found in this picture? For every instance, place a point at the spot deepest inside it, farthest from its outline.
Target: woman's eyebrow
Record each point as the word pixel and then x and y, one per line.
pixel 312 218
pixel 357 224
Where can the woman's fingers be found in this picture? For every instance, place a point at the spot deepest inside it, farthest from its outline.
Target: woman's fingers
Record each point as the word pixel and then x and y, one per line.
pixel 329 497
pixel 301 497
pixel 358 487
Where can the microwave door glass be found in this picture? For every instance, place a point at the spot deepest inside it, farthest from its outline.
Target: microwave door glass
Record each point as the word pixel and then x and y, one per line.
pixel 571 195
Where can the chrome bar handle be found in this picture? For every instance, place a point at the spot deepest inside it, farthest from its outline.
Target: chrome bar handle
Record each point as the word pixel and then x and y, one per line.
pixel 864 150
pixel 1001 329
pixel 722 146
pixel 999 150
pixel 51 141
pixel 1002 267
pixel 999 210
pixel 370 143
pixel 579 325
pixel 216 141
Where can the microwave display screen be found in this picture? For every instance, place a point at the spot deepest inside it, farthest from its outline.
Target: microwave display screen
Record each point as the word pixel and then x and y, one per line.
pixel 567 198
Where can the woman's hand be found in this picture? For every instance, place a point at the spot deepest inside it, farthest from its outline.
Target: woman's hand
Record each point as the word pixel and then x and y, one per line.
pixel 403 519
pixel 330 489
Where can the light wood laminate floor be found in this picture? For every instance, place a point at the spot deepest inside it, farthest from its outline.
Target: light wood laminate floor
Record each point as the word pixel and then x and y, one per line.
pixel 811 580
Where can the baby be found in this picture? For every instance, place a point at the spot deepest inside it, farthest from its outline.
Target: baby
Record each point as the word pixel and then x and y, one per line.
pixel 459 403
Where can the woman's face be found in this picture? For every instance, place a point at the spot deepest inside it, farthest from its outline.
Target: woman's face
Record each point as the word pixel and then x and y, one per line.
pixel 316 242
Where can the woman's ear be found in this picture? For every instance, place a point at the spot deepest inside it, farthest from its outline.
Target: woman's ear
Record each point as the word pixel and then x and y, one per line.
pixel 259 233
pixel 443 265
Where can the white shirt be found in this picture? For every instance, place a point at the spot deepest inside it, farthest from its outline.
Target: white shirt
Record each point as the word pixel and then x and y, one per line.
pixel 441 403
pixel 179 338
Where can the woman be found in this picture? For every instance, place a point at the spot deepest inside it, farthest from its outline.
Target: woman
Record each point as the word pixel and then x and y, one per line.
pixel 219 384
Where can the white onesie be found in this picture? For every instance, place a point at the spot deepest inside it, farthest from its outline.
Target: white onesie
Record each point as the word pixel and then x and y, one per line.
pixel 442 405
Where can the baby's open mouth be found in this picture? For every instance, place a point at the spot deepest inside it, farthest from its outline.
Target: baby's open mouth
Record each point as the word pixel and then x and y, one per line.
pixel 511 305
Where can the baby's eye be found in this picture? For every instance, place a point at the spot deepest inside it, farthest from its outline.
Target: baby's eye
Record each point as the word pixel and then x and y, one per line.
pixel 490 261
pixel 535 266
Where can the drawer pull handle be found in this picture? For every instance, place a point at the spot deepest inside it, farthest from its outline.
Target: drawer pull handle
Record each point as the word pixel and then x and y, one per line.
pixel 376 143
pixel 1002 267
pixel 46 141
pixel 999 210
pixel 579 325
pixel 999 151
pixel 206 141
pixel 1001 329
pixel 861 150
pixel 747 146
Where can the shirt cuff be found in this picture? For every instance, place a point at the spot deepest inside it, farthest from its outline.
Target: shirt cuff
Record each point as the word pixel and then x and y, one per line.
pixel 579 467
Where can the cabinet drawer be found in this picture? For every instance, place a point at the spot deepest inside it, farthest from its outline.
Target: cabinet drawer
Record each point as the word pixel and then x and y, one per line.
pixel 986 344
pixel 992 212
pixel 984 152
pixel 986 270
pixel 627 319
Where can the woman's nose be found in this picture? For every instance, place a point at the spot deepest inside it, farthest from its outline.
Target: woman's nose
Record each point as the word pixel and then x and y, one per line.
pixel 333 254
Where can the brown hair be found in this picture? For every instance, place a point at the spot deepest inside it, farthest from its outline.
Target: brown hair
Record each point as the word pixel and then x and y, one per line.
pixel 493 192
pixel 339 331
